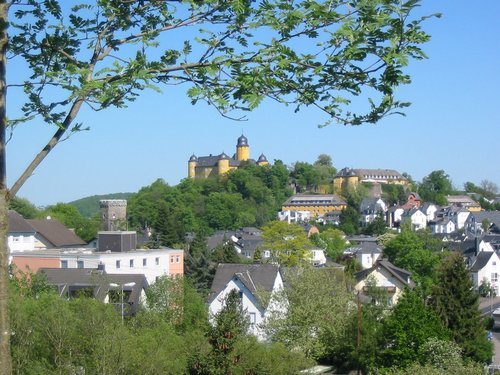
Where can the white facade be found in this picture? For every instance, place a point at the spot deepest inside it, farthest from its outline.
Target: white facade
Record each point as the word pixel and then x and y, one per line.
pixel 460 218
pixel 417 219
pixel 430 211
pixel 256 313
pixel 490 272
pixel 367 260
pixel 151 263
pixel 21 242
pixel 380 277
pixel 446 226
pixel 318 257
pixel 294 216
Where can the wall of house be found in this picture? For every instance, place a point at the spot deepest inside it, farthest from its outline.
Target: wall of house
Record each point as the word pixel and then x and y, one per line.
pixel 249 304
pixel 382 278
pixel 490 273
pixel 21 242
pixel 34 263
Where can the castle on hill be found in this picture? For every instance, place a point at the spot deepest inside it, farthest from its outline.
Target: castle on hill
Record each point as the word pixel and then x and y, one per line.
pixel 217 165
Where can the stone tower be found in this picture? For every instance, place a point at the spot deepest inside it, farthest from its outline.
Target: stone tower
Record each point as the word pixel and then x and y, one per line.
pixel 113 214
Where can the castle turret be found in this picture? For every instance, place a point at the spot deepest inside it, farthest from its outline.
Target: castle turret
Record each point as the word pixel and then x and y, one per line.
pixel 223 164
pixel 193 162
pixel 262 160
pixel 242 149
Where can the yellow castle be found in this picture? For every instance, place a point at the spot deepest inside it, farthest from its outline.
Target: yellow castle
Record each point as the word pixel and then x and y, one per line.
pixel 216 165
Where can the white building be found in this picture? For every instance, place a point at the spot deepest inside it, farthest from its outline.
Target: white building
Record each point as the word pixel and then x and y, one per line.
pixel 247 280
pixel 151 263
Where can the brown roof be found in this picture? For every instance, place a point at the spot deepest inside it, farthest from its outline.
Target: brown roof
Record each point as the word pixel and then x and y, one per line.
pixel 19 224
pixel 56 233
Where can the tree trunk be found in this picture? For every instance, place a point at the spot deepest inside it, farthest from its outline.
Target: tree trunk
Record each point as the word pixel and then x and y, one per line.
pixel 5 360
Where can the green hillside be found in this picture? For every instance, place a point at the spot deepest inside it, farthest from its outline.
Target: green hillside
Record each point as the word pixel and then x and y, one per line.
pixel 89 206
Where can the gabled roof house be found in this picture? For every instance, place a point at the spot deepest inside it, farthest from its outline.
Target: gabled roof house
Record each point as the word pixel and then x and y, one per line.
pixel 248 280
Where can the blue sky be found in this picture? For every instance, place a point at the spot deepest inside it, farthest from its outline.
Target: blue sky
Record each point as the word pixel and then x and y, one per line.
pixel 452 125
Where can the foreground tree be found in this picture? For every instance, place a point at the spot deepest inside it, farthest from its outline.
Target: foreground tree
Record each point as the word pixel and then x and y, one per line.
pixel 103 54
pixel 405 331
pixel 288 243
pixel 318 312
pixel 457 304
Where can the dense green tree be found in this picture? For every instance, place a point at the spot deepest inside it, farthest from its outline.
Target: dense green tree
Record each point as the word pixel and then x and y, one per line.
pixel 325 169
pixel 417 252
pixel 176 302
pixel 317 314
pixel 198 266
pixel 288 243
pixel 393 194
pixel 229 326
pixel 406 329
pixel 349 220
pixel 332 241
pixel 70 217
pixel 457 304
pixel 226 253
pixel 167 226
pixel 377 226
pixel 435 187
pixel 305 176
pixel 23 207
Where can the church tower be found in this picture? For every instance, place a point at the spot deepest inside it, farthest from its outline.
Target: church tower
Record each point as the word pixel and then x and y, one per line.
pixel 242 149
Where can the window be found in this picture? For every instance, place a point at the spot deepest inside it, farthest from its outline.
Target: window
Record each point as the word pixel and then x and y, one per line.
pixel 171 259
pixel 118 264
pixel 494 277
pixel 253 318
pixel 157 261
pixel 144 262
pixel 80 264
pixel 177 259
pixel 494 263
pixel 64 264
pixel 131 263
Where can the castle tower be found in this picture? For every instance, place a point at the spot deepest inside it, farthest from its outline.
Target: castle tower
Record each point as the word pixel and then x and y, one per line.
pixel 242 149
pixel 193 161
pixel 262 160
pixel 114 214
pixel 223 164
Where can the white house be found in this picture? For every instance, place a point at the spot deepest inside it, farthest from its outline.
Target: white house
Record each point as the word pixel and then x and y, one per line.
pixel 486 268
pixel 366 253
pixel 443 226
pixel 383 275
pixel 29 235
pixel 460 217
pixel 430 210
pixel 248 280
pixel 371 208
pixel 318 257
pixel 416 217
pixel 293 216
pixel 152 263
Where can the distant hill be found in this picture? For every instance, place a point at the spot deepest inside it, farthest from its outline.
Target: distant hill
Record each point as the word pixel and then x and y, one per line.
pixel 89 206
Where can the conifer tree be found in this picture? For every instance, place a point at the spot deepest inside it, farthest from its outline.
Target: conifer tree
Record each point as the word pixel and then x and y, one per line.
pixel 457 304
pixel 226 253
pixel 229 326
pixel 199 268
